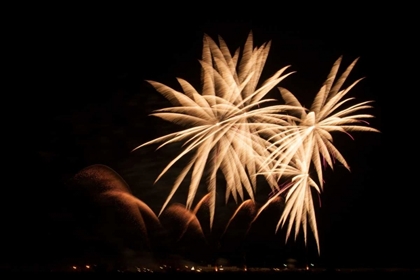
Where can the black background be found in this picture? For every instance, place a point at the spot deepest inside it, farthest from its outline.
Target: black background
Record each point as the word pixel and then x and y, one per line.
pixel 79 97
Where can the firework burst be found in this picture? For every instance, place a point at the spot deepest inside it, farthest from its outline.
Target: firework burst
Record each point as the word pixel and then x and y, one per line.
pixel 230 127
pixel 222 122
pixel 309 143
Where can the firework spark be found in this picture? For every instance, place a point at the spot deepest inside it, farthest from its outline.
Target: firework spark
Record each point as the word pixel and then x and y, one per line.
pixel 223 121
pixel 309 143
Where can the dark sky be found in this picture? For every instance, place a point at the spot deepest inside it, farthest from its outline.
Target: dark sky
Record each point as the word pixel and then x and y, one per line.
pixel 82 97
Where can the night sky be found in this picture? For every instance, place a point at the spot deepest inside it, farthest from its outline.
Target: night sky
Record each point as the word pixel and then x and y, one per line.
pixel 82 99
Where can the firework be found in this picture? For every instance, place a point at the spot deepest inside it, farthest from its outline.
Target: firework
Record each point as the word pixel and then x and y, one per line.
pixel 222 122
pixel 231 127
pixel 309 142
